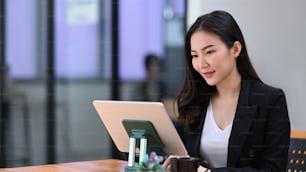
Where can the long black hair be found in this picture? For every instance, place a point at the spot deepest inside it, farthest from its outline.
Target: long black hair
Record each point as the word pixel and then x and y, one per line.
pixel 195 93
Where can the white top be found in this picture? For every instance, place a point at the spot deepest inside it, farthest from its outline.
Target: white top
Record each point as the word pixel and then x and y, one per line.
pixel 214 141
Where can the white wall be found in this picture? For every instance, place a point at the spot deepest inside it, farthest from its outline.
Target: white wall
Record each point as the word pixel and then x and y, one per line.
pixel 275 33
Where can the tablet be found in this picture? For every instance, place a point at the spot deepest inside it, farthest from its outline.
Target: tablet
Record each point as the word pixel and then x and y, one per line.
pixel 113 113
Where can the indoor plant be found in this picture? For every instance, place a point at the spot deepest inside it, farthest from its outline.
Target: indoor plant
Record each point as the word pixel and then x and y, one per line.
pixel 151 162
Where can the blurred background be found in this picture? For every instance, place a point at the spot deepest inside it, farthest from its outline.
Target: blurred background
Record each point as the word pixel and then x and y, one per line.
pixel 57 56
pixel 60 55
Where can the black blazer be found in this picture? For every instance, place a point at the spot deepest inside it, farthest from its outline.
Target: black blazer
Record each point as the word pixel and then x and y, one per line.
pixel 260 135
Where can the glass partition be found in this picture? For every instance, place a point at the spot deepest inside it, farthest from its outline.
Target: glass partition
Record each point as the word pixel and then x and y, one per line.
pixel 82 68
pixel 82 56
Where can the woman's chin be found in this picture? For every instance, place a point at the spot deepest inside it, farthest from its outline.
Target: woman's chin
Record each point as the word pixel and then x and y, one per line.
pixel 211 83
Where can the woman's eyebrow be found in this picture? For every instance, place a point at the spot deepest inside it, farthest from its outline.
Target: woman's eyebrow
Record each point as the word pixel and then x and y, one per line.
pixel 204 48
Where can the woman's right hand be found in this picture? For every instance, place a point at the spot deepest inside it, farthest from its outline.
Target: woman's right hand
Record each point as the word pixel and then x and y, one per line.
pixel 203 169
pixel 167 164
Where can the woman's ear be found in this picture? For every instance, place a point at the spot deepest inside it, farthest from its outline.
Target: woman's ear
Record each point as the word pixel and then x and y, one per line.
pixel 236 49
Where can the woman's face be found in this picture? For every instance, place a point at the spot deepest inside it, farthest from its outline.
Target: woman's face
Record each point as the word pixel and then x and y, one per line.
pixel 212 59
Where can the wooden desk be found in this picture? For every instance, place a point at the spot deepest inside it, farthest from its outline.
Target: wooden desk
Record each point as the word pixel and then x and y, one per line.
pixel 85 166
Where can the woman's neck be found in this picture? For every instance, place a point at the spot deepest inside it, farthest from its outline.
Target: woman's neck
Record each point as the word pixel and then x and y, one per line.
pixel 230 86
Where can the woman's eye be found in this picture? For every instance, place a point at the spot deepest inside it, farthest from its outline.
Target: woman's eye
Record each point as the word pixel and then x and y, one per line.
pixel 210 52
pixel 194 56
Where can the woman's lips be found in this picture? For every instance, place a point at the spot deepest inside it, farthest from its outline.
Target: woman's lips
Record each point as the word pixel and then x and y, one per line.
pixel 208 74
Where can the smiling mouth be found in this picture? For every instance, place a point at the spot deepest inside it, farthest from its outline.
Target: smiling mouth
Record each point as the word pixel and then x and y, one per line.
pixel 208 74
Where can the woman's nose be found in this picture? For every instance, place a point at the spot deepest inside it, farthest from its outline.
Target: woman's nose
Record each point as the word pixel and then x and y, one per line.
pixel 202 62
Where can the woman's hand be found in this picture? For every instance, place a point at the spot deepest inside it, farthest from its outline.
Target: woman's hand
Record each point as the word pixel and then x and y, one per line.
pixel 167 164
pixel 203 169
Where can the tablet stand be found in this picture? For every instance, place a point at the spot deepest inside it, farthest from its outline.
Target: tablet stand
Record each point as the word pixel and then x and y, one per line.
pixel 142 135
pixel 136 134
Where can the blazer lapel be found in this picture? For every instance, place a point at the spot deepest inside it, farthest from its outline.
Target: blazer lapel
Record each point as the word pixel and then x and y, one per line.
pixel 244 116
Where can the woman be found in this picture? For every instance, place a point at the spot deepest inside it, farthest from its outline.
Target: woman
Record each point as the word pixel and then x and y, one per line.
pixel 227 115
